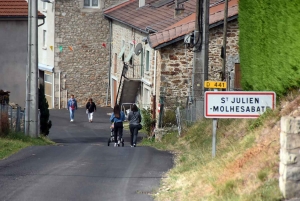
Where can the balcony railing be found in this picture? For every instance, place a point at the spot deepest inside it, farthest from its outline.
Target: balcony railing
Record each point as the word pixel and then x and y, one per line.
pixel 135 72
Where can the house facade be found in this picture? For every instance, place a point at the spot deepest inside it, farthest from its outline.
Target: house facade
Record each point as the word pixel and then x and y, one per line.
pixel 170 57
pixel 131 23
pixel 74 51
pixel 14 48
pixel 46 51
pixel 175 56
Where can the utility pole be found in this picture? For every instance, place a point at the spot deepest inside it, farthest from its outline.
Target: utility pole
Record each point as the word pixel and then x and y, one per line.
pixel 201 41
pixel 31 112
pixel 224 44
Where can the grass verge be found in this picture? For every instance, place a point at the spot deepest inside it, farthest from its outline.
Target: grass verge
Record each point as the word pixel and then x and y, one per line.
pixel 16 141
pixel 246 166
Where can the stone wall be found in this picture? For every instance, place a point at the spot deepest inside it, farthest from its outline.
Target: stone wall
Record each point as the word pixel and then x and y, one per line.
pixel 289 169
pixel 175 63
pixel 80 57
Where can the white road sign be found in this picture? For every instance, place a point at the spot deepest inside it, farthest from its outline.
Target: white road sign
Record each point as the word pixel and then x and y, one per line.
pixel 237 104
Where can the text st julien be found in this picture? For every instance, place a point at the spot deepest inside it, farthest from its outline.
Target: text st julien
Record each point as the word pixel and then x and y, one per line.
pixel 241 100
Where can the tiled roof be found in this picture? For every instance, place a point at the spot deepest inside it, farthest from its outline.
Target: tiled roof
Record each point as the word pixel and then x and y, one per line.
pixel 15 9
pixel 149 16
pixel 187 25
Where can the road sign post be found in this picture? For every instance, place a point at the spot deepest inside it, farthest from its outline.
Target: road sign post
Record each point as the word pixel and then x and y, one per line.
pixel 215 85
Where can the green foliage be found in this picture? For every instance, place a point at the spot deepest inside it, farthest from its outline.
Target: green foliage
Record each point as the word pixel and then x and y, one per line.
pixel 13 142
pixel 268 191
pixel 147 121
pixel 260 120
pixel 269 45
pixel 45 123
pixel 228 188
pixel 262 175
pixel 169 118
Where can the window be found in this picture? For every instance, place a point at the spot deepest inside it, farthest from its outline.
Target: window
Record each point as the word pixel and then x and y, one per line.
pixel 44 38
pixel 146 98
pixel 115 63
pixel 44 6
pixel 131 52
pixel 91 3
pixel 147 60
pixel 121 54
pixel 48 78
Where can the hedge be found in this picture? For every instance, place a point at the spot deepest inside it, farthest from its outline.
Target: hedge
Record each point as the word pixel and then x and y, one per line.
pixel 269 45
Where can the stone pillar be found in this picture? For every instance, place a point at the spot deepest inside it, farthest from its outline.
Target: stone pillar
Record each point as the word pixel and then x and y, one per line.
pixel 289 168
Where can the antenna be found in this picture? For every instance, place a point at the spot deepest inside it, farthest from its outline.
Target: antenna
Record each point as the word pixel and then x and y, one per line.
pixel 138 49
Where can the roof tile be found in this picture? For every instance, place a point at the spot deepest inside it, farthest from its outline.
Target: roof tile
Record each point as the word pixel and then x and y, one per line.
pixel 15 8
pixel 187 25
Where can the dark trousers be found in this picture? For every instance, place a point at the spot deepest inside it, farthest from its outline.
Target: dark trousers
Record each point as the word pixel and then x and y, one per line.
pixel 118 129
pixel 133 133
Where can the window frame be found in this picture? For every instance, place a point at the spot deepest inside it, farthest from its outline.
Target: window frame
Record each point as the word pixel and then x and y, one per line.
pixel 91 4
pixel 44 45
pixel 147 62
pixel 130 55
pixel 146 101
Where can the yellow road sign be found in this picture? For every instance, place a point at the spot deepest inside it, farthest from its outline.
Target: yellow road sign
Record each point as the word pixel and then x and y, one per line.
pixel 215 84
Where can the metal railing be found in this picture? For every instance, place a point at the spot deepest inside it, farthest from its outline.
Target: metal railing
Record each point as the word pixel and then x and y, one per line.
pixel 135 72
pixel 13 117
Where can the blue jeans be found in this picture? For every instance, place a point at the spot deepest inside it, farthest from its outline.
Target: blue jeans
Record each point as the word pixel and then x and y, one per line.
pixel 71 114
pixel 133 133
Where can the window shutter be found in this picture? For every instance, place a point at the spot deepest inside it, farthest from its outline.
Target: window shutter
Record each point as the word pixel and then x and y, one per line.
pixel 122 52
pixel 237 77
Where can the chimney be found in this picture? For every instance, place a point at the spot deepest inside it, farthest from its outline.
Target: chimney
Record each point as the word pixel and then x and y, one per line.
pixel 179 8
pixel 141 3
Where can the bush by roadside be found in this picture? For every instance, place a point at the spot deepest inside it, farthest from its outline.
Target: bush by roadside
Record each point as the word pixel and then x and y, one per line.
pixel 14 142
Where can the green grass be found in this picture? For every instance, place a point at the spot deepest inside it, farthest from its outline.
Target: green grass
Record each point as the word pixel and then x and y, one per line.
pixel 14 142
pixel 196 172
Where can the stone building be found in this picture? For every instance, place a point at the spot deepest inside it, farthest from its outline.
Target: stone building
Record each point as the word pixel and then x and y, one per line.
pixel 77 53
pixel 165 64
pixel 175 56
pixel 132 22
pixel 14 48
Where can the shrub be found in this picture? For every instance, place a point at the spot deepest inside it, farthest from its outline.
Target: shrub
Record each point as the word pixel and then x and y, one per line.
pixel 45 123
pixel 147 121
pixel 4 124
pixel 169 118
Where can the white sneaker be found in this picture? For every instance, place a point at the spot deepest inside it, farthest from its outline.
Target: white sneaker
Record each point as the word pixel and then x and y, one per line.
pixel 71 120
pixel 115 144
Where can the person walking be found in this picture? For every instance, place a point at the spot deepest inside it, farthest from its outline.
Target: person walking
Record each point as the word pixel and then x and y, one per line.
pixel 90 108
pixel 134 118
pixel 117 117
pixel 72 106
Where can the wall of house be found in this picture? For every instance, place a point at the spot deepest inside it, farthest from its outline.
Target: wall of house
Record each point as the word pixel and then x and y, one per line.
pixel 175 64
pixel 138 70
pixel 46 49
pixel 13 59
pixel 80 58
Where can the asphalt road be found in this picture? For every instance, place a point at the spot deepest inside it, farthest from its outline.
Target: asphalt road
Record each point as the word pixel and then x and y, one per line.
pixel 81 166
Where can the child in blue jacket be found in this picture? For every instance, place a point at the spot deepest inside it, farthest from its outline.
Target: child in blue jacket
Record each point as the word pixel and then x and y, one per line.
pixel 117 117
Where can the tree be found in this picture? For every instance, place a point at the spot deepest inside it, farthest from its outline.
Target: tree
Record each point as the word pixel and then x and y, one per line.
pixel 45 123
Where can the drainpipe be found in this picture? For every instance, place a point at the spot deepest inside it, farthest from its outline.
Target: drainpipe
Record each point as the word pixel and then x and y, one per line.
pixel 59 90
pixel 42 23
pixel 154 85
pixel 109 66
